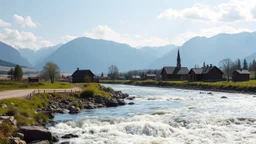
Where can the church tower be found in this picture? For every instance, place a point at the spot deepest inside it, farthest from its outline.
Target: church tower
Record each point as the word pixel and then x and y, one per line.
pixel 178 60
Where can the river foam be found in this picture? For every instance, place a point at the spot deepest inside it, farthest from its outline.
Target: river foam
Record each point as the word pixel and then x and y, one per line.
pixel 194 118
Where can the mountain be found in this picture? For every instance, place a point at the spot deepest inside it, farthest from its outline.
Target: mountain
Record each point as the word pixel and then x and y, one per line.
pixel 35 57
pixel 251 57
pixel 7 64
pixel 11 55
pixel 158 51
pixel 97 55
pixel 210 50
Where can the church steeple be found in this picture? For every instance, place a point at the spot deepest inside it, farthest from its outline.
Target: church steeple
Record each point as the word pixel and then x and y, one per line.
pixel 178 59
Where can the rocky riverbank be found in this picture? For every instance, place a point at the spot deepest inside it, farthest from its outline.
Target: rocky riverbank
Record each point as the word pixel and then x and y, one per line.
pixel 59 103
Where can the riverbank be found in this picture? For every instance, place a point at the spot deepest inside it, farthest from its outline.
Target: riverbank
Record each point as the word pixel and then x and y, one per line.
pixel 223 86
pixel 16 113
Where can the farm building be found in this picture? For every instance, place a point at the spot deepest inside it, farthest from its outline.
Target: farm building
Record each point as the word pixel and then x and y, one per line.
pixel 207 73
pixel 175 73
pixel 82 76
pixel 241 75
pixel 150 76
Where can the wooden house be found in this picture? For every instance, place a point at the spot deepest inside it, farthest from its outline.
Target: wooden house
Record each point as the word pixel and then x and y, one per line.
pixel 33 79
pixel 80 76
pixel 175 73
pixel 150 76
pixel 241 75
pixel 207 73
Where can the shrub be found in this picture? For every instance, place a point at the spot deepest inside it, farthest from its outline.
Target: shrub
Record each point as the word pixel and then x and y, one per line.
pixel 87 93
pixel 6 130
pixel 12 111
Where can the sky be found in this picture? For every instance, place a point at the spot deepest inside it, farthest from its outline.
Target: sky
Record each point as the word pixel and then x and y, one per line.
pixel 36 24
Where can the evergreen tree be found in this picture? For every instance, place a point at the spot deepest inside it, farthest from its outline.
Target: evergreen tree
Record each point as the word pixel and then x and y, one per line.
pixel 250 66
pixel 18 73
pixel 239 64
pixel 102 75
pixel 11 73
pixel 204 64
pixel 245 66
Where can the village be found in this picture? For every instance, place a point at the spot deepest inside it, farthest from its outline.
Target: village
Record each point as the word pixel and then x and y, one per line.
pixel 207 73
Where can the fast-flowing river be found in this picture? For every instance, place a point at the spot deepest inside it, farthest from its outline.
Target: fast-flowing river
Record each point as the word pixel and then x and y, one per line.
pixel 165 116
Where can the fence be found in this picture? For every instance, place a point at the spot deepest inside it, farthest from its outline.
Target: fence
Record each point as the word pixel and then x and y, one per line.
pixel 29 96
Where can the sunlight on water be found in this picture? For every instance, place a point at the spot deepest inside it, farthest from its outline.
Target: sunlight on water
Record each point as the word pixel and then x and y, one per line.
pixel 163 115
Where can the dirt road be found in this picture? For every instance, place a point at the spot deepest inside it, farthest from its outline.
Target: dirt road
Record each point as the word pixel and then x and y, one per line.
pixel 24 93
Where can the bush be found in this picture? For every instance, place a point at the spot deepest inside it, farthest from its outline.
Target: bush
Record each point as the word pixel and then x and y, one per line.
pixel 12 111
pixel 87 93
pixel 6 130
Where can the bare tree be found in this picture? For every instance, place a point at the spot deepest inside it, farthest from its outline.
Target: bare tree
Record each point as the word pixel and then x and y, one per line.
pixel 51 71
pixel 226 65
pixel 113 72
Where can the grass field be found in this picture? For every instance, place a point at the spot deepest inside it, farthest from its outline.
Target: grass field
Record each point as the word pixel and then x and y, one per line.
pixel 248 86
pixel 7 85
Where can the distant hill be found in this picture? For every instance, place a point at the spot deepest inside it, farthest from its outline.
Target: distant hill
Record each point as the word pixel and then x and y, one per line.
pixel 97 55
pixel 158 51
pixel 7 64
pixel 10 54
pixel 251 57
pixel 35 57
pixel 210 50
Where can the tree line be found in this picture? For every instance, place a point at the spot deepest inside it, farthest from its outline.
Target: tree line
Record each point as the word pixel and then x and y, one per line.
pixel 228 66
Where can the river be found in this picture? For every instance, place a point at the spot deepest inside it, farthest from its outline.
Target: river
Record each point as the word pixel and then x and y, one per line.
pixel 165 116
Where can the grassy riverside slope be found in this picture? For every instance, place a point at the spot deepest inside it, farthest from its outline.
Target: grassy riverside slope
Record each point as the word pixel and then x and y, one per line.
pixel 248 86
pixel 27 113
pixel 13 85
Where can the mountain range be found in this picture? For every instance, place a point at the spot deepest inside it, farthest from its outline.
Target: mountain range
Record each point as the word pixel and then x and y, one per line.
pixel 10 54
pixel 98 55
pixel 35 57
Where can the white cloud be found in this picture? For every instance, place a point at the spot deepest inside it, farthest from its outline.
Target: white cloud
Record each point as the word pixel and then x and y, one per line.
pixel 180 39
pixel 67 38
pixel 25 22
pixel 22 39
pixel 232 11
pixel 45 43
pixel 4 24
pixel 106 33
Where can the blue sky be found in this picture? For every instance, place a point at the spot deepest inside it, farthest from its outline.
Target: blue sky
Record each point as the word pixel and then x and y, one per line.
pixel 35 24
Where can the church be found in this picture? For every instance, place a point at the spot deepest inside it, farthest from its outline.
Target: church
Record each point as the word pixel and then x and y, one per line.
pixel 175 73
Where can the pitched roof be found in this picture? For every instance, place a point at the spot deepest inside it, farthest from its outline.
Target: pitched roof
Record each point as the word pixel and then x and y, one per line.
pixel 150 75
pixel 204 70
pixel 175 70
pixel 79 73
pixel 196 70
pixel 242 71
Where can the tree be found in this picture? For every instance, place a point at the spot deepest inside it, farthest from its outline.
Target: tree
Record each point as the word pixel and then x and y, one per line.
pixel 254 68
pixel 102 75
pixel 11 73
pixel 18 73
pixel 245 65
pixel 226 65
pixel 51 71
pixel 113 72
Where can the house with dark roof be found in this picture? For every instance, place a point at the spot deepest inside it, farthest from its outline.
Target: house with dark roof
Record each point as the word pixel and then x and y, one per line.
pixel 80 76
pixel 241 75
pixel 150 76
pixel 207 73
pixel 175 73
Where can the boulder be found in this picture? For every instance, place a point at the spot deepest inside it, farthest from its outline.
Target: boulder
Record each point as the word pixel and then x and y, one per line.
pixel 121 101
pixel 66 142
pixel 112 102
pixel 55 138
pixel 16 140
pixel 100 105
pixel 130 98
pixel 19 135
pixel 74 111
pixel 224 97
pixel 210 93
pixel 69 136
pixel 11 119
pixel 64 111
pixel 34 133
pixel 131 103
pixel 3 106
pixel 89 105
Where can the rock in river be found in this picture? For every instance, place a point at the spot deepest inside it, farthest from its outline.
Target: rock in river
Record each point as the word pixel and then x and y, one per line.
pixel 34 133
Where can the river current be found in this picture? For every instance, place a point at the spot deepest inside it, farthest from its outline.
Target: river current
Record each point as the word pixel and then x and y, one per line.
pixel 165 116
